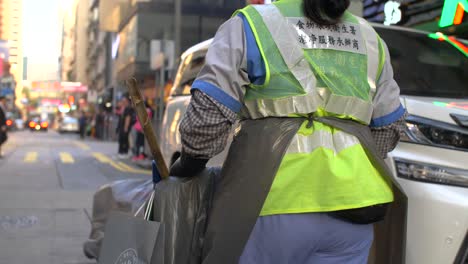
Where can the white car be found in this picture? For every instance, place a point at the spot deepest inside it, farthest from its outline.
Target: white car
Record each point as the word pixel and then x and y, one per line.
pixel 428 223
pixel 68 124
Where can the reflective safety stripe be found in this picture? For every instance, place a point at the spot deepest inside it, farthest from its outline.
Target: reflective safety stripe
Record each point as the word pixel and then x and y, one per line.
pixel 337 142
pixel 372 46
pixel 282 32
pixel 283 107
pixel 350 106
pixel 306 104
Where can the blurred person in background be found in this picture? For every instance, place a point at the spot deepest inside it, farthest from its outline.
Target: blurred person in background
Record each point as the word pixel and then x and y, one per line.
pixel 100 124
pixel 118 113
pixel 3 126
pixel 107 124
pixel 140 136
pixel 82 122
pixel 91 127
pixel 125 125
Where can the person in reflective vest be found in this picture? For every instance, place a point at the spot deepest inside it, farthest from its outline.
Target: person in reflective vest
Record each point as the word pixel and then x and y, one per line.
pixel 293 59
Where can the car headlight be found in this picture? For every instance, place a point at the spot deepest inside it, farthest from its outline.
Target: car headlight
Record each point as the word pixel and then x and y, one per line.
pixel 417 171
pixel 435 133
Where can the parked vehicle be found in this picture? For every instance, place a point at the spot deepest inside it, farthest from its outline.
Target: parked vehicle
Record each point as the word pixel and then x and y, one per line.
pixel 14 121
pixel 68 124
pixel 428 223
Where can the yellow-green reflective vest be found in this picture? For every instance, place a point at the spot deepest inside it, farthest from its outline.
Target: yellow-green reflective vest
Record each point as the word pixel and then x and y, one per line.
pixel 323 71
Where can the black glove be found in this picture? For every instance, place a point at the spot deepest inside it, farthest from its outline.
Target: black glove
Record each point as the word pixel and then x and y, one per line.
pixel 187 166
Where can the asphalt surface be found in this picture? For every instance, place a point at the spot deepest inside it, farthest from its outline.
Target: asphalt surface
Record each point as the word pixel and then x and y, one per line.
pixel 47 181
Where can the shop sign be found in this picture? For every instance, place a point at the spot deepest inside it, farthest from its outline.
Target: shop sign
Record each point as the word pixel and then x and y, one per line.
pixel 453 12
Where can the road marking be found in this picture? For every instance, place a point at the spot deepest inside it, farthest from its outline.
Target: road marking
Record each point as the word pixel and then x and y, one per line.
pixel 30 157
pixel 104 159
pixel 125 166
pixel 101 157
pixel 134 170
pixel 81 145
pixel 118 165
pixel 66 157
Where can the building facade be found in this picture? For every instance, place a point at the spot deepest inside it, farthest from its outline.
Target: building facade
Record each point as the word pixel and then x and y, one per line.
pixel 74 54
pixel 138 24
pixel 3 20
pixel 80 62
pixel 100 66
pixel 67 54
pixel 12 56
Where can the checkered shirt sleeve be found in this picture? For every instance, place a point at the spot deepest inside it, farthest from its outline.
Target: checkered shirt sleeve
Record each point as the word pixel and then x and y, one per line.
pixel 205 126
pixel 387 137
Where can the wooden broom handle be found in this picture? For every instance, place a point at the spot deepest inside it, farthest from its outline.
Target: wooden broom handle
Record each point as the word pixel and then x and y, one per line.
pixel 140 108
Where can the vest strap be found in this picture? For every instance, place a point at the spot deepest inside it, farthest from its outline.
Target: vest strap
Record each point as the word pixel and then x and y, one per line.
pixel 372 46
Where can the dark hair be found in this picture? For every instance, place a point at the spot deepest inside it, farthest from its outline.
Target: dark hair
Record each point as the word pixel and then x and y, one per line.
pixel 325 12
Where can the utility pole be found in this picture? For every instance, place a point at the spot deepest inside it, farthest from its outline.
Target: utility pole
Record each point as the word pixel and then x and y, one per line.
pixel 177 26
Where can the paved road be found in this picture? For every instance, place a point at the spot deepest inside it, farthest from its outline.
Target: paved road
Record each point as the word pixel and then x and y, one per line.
pixel 47 181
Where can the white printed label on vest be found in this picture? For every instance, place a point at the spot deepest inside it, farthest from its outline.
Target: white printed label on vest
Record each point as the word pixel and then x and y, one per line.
pixel 342 36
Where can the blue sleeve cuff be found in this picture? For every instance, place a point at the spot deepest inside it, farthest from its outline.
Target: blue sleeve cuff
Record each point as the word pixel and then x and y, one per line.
pixel 217 94
pixel 388 119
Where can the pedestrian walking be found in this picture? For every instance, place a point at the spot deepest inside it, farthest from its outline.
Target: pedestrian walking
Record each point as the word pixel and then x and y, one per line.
pixel 83 123
pixel 100 124
pixel 118 114
pixel 140 137
pixel 107 123
pixel 314 61
pixel 3 126
pixel 125 125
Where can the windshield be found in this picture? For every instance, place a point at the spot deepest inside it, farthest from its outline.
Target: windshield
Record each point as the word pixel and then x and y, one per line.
pixel 188 71
pixel 424 66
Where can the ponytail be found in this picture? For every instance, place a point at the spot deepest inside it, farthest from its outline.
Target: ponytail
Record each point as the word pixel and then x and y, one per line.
pixel 325 12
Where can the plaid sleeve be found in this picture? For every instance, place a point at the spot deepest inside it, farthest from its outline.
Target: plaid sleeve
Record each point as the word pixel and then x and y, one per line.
pixel 205 126
pixel 387 137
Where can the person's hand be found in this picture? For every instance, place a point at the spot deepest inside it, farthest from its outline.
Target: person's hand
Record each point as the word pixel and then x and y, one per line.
pixel 4 128
pixel 186 166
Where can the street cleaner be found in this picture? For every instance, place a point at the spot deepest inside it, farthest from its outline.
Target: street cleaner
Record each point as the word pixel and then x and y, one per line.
pixel 313 88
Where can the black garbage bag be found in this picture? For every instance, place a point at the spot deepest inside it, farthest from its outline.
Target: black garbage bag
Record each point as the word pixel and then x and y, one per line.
pixel 181 206
pixel 126 196
pixel 175 232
